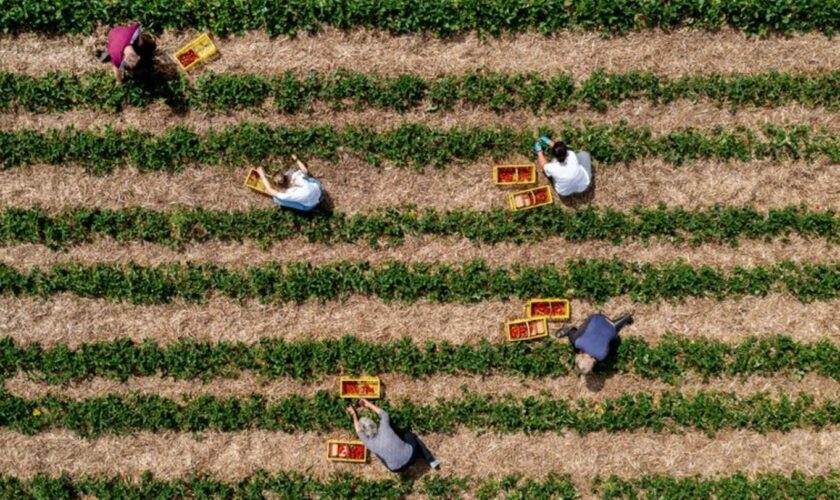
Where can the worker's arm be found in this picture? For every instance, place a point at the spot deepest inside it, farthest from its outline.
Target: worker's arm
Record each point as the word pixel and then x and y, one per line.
pixel 267 185
pixel 118 74
pixel 370 406
pixel 302 166
pixel 352 412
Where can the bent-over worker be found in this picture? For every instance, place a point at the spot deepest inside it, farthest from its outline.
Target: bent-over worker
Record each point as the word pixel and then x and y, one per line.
pixel 397 453
pixel 594 340
pixel 298 189
pixel 127 47
pixel 569 172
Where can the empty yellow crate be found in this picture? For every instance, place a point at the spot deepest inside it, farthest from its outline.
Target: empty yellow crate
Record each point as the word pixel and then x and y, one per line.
pixel 201 49
pixel 556 308
pixel 518 330
pixel 343 450
pixel 511 175
pixel 530 198
pixel 359 387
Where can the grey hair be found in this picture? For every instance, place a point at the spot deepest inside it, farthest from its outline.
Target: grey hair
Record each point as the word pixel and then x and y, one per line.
pixel 368 427
pixel 584 363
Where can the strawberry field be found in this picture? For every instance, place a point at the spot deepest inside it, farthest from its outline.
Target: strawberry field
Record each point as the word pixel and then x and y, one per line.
pixel 165 332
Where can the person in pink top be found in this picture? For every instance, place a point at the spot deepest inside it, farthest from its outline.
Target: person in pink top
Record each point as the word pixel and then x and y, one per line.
pixel 126 49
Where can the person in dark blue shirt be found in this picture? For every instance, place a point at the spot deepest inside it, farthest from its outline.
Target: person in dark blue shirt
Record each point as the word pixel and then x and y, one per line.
pixel 594 339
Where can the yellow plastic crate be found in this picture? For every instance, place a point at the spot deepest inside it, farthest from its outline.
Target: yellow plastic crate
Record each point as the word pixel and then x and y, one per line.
pixel 518 330
pixel 548 308
pixel 343 450
pixel 359 387
pixel 512 175
pixel 530 198
pixel 195 52
pixel 252 180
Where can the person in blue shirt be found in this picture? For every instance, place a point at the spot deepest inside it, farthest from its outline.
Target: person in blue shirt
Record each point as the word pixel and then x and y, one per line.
pixel 296 189
pixel 594 340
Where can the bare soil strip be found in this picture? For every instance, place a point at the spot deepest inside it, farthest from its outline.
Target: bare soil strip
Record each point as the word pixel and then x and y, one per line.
pixel 427 391
pixel 355 186
pixel 552 251
pixel 672 54
pixel 73 320
pixel 233 456
pixel 660 119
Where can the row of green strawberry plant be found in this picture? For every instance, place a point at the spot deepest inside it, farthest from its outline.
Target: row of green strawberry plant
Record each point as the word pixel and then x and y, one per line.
pixel 669 359
pixel 296 485
pixel 474 281
pixel 441 17
pixel 707 411
pixel 739 485
pixel 177 227
pixel 340 89
pixel 408 144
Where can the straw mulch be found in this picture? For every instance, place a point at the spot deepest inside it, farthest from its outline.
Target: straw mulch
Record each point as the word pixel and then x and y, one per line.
pixel 236 455
pixel 674 53
pixel 72 320
pixel 356 186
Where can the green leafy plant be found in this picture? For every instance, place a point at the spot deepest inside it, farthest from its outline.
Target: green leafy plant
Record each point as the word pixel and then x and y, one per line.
pixel 498 92
pixel 408 144
pixel 441 17
pixel 668 360
pixel 471 282
pixel 177 227
pixel 325 411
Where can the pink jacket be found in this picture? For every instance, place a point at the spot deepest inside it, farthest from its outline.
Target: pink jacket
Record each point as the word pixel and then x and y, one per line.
pixel 120 38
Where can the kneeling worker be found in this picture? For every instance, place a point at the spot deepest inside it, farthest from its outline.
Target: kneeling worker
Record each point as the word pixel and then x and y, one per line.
pixel 594 340
pixel 300 191
pixel 569 172
pixel 397 453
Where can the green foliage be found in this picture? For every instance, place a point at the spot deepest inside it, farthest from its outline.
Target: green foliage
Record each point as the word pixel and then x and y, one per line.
pixel 670 359
pixel 325 412
pixel 175 228
pixel 408 144
pixel 293 484
pixel 471 282
pixel 497 92
pixel 441 17
pixel 764 486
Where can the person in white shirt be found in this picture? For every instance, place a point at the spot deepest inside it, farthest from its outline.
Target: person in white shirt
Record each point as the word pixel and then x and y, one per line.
pixel 300 190
pixel 569 172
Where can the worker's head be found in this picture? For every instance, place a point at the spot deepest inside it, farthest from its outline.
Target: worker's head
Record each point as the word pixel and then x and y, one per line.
pixel 130 57
pixel 281 181
pixel 560 151
pixel 368 428
pixel 584 363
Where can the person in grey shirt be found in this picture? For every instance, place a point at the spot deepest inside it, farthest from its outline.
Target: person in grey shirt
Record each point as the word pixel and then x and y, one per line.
pixel 397 453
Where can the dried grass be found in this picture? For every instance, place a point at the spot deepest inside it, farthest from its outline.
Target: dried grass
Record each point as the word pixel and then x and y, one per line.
pixel 355 186
pixel 552 251
pixel 671 53
pixel 72 320
pixel 234 456
pixel 427 391
pixel 661 119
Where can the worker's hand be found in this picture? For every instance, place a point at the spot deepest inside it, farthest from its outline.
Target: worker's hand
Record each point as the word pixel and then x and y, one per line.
pixel 364 402
pixel 537 147
pixel 294 157
pixel 260 171
pixel 545 140
pixel 351 410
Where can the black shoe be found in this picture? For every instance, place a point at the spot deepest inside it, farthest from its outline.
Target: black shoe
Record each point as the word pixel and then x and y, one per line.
pixel 566 331
pixel 102 55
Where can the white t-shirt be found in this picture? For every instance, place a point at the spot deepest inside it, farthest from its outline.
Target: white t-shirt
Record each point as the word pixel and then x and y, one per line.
pixel 304 192
pixel 569 177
